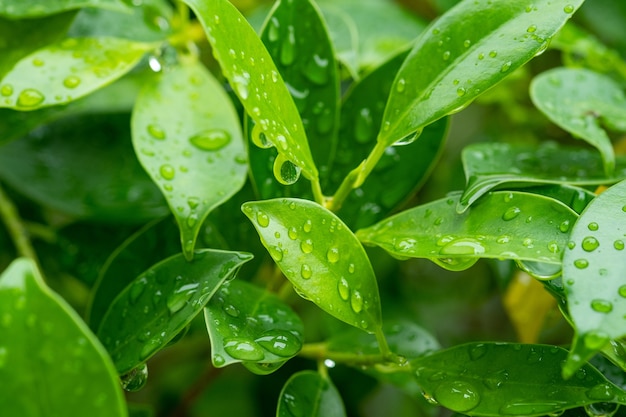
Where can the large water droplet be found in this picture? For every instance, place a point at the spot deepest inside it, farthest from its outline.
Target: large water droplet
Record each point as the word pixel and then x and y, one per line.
pixel 276 253
pixel 137 289
pixel 306 246
pixel 288 47
pixel 618 244
pixel 601 392
pixel 478 351
pixel 240 83
pixel 177 300
pixel 511 213
pixel 581 263
pixel 400 85
pixel 307 226
pixel 305 271
pixel 458 396
pixel 280 343
pixel 30 97
pixel 506 66
pixel 167 172
pixel 590 244
pixel 135 379
pixel 332 255
pixel 564 226
pixel 344 289
pixel 156 132
pixel 601 306
pixel 259 138
pixel 531 29
pixel 71 82
pixel 356 301
pixel 601 409
pixel 6 90
pixel 210 140
pixel 285 171
pixel 593 226
pixel 218 360
pixel 231 310
pixel 463 247
pixel 316 70
pixel 262 219
pixel 568 8
pixel 243 349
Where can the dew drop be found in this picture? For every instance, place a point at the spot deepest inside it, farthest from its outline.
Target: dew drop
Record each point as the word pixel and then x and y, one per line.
pixel 553 247
pixel 276 253
pixel 564 226
pixel 285 171
pixel 218 360
pixel 135 379
pixel 177 300
pixel 156 132
pixel 458 396
pixel 262 219
pixel 618 244
pixel 274 29
pixel 30 97
pixel 210 140
pixel 481 56
pixel 593 226
pixel 622 291
pixel 71 81
pixel 590 244
pixel 305 271
pixel 581 263
pixel 288 47
pixel 351 268
pixel 401 85
pixel 493 54
pixel 568 8
pixel 344 289
pixel 231 310
pixel 601 392
pixel 460 92
pixel 356 302
pixel 467 43
pixel 279 342
pixel 306 246
pixel 505 67
pixel 307 226
pixel 601 306
pixel 292 233
pixel 167 172
pixel 6 90
pixel 243 349
pixel 463 247
pixel 332 255
pixel 531 29
pixel 478 351
pixel 446 55
pixel 136 289
pixel 316 70
pixel 511 213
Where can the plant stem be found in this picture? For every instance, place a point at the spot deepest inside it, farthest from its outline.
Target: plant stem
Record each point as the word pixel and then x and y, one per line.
pixel 317 192
pixel 15 227
pixel 319 351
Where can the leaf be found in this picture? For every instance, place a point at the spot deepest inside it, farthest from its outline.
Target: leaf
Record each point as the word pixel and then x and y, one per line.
pixel 159 303
pixel 96 179
pixel 251 325
pixel 67 70
pixel 579 100
pixel 310 72
pixel 35 8
pixel 186 135
pixel 321 257
pixel 575 198
pixel 309 394
pixel 495 379
pixel 55 365
pixel 491 165
pixel 467 50
pixel 249 68
pixel 593 274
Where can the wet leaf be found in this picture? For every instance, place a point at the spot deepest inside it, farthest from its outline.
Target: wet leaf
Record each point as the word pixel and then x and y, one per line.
pixel 55 365
pixel 491 165
pixel 96 179
pixel 67 70
pixel 502 225
pixel 575 198
pixel 251 325
pixel 309 69
pixel 580 101
pixel 467 50
pixel 495 379
pixel 186 135
pixel 593 274
pixel 35 8
pixel 250 70
pixel 160 302
pixel 321 257
pixel 309 394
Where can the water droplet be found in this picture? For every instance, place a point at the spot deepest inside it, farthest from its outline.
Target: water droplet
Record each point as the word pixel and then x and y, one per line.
pixel 305 271
pixel 481 56
pixel 401 85
pixel 601 409
pixel 478 351
pixel 564 226
pixel 505 67
pixel 193 202
pixel 590 244
pixel 511 213
pixel 218 360
pixel 150 348
pixel 467 43
pixel 463 247
pixel 493 54
pixel 71 81
pixel 460 92
pixel 568 8
pixel 156 132
pixel 306 246
pixel 240 83
pixel 292 233
pixel 210 140
pixel 553 247
pixel 593 226
pixel 344 289
pixel 316 70
pixel 581 263
pixel 273 29
pixel 30 97
pixel 137 289
pixel 177 300
pixel 231 310
pixel 528 243
pixel 601 306
pixel 595 340
pixel 167 172
pixel 332 255
pixel 601 392
pixel 622 291
pixel 531 29
pixel 243 349
pixel 364 126
pixel 262 219
pixel 503 239
pixel 288 47
pixel 38 62
pixel 356 302
pixel 6 90
pixel 458 396
pixel 446 55
pixel 307 226
pixel 276 253
pixel 351 268
pixel 280 343
pixel 135 379
pixel 618 244
pixel 285 171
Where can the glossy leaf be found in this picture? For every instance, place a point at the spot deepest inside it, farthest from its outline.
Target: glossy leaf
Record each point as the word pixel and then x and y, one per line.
pixel 309 394
pixel 97 178
pixel 593 274
pixel 251 325
pixel 491 165
pixel 321 257
pixel 580 101
pixel 310 72
pixel 502 225
pixel 67 70
pixel 34 8
pixel 249 68
pixel 50 363
pixel 160 302
pixel 575 198
pixel 194 150
pixel 467 50
pixel 495 379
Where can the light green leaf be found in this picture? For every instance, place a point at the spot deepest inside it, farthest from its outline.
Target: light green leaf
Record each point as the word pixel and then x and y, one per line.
pixel 50 363
pixel 187 136
pixel 321 257
pixel 593 274
pixel 251 325
pixel 467 50
pixel 491 165
pixel 159 303
pixel 309 394
pixel 502 225
pixel 249 68
pixel 34 8
pixel 495 379
pixel 67 70
pixel 579 100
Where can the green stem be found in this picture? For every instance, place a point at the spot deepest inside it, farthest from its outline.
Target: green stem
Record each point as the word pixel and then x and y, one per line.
pixel 15 227
pixel 319 351
pixel 317 192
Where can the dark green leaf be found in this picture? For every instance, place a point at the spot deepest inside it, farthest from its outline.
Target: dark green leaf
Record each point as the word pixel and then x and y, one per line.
pixel 251 325
pixel 308 394
pixel 159 303
pixel 496 379
pixel 593 274
pixel 50 363
pixel 34 8
pixel 575 198
pixel 67 70
pixel 249 68
pixel 467 50
pixel 491 165
pixel 579 100
pixel 321 257
pixel 187 136
pixel 502 225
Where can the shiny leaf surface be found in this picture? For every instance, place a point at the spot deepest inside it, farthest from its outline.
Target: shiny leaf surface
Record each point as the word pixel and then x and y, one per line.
pixel 309 394
pixel 321 257
pixel 50 363
pixel 160 302
pixel 34 8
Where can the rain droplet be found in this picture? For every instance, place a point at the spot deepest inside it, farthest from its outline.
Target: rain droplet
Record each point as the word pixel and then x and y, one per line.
pixel 511 213
pixel 137 289
pixel 601 392
pixel 467 43
pixel 262 219
pixel 460 92
pixel 193 202
pixel 156 131
pixel 446 55
pixel 316 70
pixel 210 140
pixel 505 67
pixel 531 29
pixel 6 90
pixel 306 246
pixel 564 226
pixel 481 56
pixel 243 349
pixel 177 300
pixel 135 379
pixel 167 172
pixel 593 226
pixel 280 343
pixel 463 247
pixel 622 291
pixel 273 29
pixel 231 310
pixel 351 268
pixel 618 244
pixel 601 306
pixel 285 171
pixel 478 351
pixel 218 360
pixel 276 253
pixel 568 8
pixel 30 97
pixel 71 81
pixel 332 255
pixel 493 54
pixel 356 302
pixel 38 62
pixel 307 226
pixel 305 271
pixel 458 396
pixel 344 289
pixel 590 244
pixel 553 247
pixel 150 347
pixel 292 233
pixel 581 263
pixel 401 85
pixel 288 47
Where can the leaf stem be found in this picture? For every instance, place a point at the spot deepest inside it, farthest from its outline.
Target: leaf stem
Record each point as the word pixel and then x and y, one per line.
pixel 319 352
pixel 15 227
pixel 317 192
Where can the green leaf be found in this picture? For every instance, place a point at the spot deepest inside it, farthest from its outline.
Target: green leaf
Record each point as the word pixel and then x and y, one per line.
pixel 251 325
pixel 321 257
pixel 249 68
pixel 67 70
pixel 575 198
pixel 579 100
pixel 495 379
pixel 33 8
pixel 310 72
pixel 593 274
pixel 50 362
pixel 502 225
pixel 159 303
pixel 467 50
pixel 97 179
pixel 491 165
pixel 309 394
pixel 186 135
